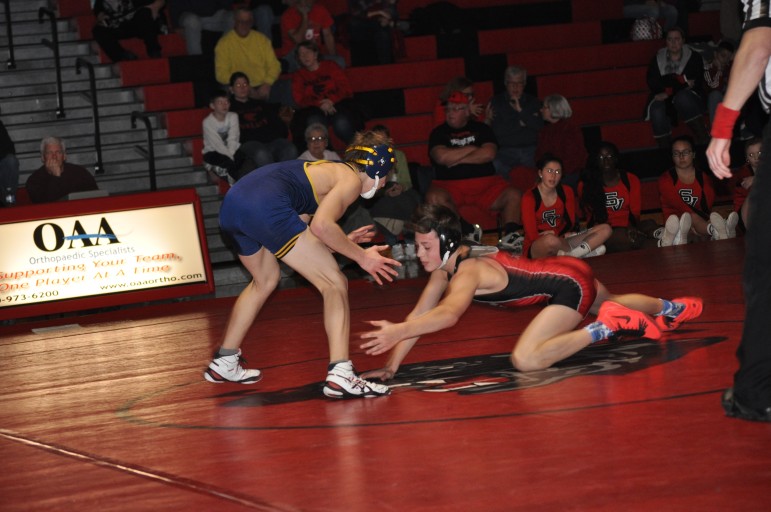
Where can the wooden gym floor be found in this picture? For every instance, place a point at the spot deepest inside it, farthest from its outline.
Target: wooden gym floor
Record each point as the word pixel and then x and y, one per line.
pixel 109 411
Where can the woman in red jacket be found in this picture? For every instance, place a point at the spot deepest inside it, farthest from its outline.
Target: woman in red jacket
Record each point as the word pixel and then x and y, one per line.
pixel 609 195
pixel 324 95
pixel 549 218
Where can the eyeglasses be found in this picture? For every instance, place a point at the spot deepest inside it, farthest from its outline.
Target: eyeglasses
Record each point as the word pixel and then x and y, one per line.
pixel 553 171
pixel 316 139
pixel 456 108
pixel 682 154
pixel 606 157
pixel 754 155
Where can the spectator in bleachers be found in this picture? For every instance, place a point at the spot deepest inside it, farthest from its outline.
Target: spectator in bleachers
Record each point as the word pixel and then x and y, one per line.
pixel 656 9
pixel 324 95
pixel 126 19
pixel 549 216
pixel 221 140
pixel 562 137
pixel 195 16
pixel 676 82
pixel 263 126
pixel 716 75
pixel 307 20
pixel 56 178
pixel 248 51
pixel 609 195
pixel 744 176
pixel 466 86
pixel 372 22
pixel 9 168
pixel 394 204
pixel 687 197
pixel 266 14
pixel 317 141
pixel 462 152
pixel 516 120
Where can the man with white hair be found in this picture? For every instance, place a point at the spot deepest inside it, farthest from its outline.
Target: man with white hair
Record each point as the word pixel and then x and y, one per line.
pixel 56 178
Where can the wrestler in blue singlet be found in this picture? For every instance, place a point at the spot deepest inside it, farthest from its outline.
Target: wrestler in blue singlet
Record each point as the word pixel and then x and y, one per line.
pixel 263 207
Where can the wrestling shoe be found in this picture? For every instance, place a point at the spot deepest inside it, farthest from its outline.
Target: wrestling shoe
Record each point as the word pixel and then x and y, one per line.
pixel 693 307
pixel 719 226
pixel 342 382
pixel 671 230
pixel 599 251
pixel 735 409
pixel 229 369
pixel 685 228
pixel 627 322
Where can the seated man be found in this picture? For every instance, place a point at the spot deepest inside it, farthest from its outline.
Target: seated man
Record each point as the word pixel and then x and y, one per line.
pixel 125 19
pixel 462 152
pixel 263 131
pixel 482 274
pixel 248 51
pixel 57 178
pixel 195 16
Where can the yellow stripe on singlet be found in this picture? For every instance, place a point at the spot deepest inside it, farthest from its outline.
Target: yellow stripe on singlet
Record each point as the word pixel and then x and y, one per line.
pixel 287 246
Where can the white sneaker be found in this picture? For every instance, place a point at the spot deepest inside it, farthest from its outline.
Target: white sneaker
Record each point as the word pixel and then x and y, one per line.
pixel 730 224
pixel 719 227
pixel 512 242
pixel 658 233
pixel 476 235
pixel 581 251
pixel 410 253
pixel 229 369
pixel 397 252
pixel 599 251
pixel 685 228
pixel 342 382
pixel 671 230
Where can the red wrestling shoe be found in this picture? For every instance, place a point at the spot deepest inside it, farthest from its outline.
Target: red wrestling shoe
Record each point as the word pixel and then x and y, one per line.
pixel 627 322
pixel 693 307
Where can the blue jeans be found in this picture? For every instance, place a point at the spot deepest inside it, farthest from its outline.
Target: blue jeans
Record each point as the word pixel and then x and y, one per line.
pixel 687 104
pixel 193 24
pixel 9 178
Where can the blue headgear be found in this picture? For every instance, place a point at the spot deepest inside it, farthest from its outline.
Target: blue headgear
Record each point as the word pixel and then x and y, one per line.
pixel 379 161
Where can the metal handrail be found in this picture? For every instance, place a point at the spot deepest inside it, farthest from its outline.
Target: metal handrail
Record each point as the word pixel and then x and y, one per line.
pixel 80 61
pixel 55 47
pixel 11 62
pixel 145 117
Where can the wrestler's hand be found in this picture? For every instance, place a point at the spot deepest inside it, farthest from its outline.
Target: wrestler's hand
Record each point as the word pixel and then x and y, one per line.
pixel 719 157
pixel 362 235
pixel 377 265
pixel 383 339
pixel 382 374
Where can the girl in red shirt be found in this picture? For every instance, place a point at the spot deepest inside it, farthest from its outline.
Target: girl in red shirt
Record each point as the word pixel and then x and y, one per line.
pixel 612 196
pixel 549 218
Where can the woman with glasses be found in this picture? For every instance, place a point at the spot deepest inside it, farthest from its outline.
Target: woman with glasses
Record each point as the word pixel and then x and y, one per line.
pixel 549 217
pixel 317 140
pixel 324 95
pixel 687 197
pixel 609 195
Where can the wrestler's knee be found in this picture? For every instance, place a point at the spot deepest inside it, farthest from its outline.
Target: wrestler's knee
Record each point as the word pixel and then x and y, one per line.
pixel 525 360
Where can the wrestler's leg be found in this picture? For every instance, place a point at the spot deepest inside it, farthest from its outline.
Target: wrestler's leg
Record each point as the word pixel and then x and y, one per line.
pixel 313 260
pixel 550 337
pixel 643 303
pixel 265 273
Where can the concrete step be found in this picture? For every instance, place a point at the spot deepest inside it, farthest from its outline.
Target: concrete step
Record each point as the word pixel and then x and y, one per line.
pixel 86 142
pixel 71 100
pixel 116 153
pixel 68 51
pixel 48 63
pixel 80 127
pixel 36 89
pixel 15 78
pixel 33 37
pixel 72 113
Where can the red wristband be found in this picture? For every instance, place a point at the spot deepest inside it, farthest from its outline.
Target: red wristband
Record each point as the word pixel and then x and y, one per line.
pixel 723 124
